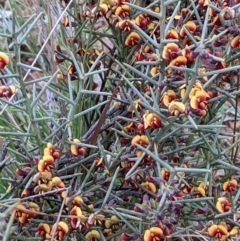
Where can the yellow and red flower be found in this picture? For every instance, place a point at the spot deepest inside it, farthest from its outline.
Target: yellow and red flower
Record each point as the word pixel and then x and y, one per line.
pixel 145 53
pixel 45 182
pixel 172 34
pixel 93 235
pixel 199 102
pixel 142 20
pixel 230 186
pixel 61 230
pixel 52 151
pixel 196 87
pixel 107 5
pixel 44 176
pixel 20 214
pixel 125 25
pixel 233 231
pixel 25 211
pixel 72 69
pixel 141 140
pixel 223 205
pixel 170 51
pixel 187 41
pixel 7 91
pixel 132 39
pixel 176 108
pixel 56 182
pixel 178 62
pixel 99 162
pixel 200 190
pixel 75 222
pixel 76 201
pixel 235 43
pixel 122 11
pixel 26 192
pixel 130 128
pixel 151 120
pixel 154 70
pixel 218 231
pixel 190 25
pixel 146 159
pixel 153 234
pixel 43 187
pixel 65 22
pixel 102 9
pixel 46 163
pixel 4 60
pixel 150 186
pixel 77 150
pixel 111 225
pixel 43 230
pixel 168 97
pixel 165 174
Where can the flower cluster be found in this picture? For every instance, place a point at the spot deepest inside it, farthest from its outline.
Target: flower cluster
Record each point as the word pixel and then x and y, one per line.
pixel 80 210
pixel 43 180
pixel 59 230
pixel 25 211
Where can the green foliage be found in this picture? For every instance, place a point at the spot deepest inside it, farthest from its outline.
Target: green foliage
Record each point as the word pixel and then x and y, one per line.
pixel 119 120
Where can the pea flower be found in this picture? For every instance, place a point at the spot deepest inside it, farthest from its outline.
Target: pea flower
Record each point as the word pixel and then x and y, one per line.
pixel 235 43
pixel 168 97
pixel 132 39
pixel 46 163
pixel 150 186
pixel 122 11
pixel 218 231
pixel 230 186
pixel 141 140
pixel 176 108
pixel 170 51
pixel 190 25
pixel 172 34
pixel 77 150
pixel 4 60
pixel 223 205
pixel 93 235
pixel 151 120
pixel 153 234
pixel 61 230
pixel 199 102
pixel 43 230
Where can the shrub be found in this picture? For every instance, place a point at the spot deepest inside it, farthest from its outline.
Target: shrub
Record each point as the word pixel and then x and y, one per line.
pixel 113 120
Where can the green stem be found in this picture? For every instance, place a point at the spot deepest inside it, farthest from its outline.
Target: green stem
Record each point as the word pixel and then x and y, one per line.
pixel 34 126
